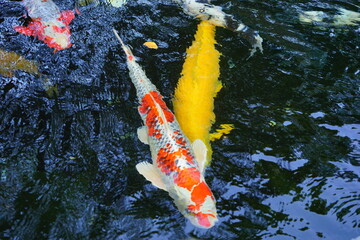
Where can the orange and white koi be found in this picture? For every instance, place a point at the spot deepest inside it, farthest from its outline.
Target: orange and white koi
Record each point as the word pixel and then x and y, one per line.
pixel 48 24
pixel 178 165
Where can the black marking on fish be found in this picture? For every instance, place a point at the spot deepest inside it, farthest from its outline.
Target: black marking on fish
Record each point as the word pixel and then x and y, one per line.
pixel 231 23
pixel 244 31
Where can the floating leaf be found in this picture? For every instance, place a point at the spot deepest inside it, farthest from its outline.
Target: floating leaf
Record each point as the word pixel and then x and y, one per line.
pixel 151 45
pixel 272 123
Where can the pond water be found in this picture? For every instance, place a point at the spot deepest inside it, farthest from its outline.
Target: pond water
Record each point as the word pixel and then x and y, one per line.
pixel 289 170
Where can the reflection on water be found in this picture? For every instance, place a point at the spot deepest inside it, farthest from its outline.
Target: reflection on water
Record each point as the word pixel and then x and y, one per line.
pixel 319 206
pixel 288 170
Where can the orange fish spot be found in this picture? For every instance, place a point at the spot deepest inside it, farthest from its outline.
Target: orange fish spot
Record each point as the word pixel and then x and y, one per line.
pixel 187 178
pixel 166 161
pixel 193 208
pixel 153 117
pixel 157 134
pixel 34 28
pixel 203 219
pixel 200 192
pixel 66 17
pixel 181 141
pixel 58 29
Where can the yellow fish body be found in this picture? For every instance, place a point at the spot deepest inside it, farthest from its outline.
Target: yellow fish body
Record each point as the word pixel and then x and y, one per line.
pixel 194 96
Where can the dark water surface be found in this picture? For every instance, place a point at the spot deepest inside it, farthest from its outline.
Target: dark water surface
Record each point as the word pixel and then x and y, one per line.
pixel 289 170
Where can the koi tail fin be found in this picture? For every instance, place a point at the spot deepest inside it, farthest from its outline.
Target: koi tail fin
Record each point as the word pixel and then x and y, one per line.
pixel 126 49
pixel 245 32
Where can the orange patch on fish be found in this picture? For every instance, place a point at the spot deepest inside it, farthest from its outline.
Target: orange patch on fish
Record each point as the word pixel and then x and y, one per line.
pixel 181 141
pixel 66 17
pixel 59 29
pixel 153 117
pixel 200 192
pixel 166 161
pixel 187 178
pixel 203 219
pixel 157 133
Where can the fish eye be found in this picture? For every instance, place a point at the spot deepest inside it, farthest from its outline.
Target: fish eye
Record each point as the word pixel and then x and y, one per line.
pixel 189 212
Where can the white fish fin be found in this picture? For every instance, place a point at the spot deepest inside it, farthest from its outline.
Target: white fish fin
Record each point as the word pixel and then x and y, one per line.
pixel 151 173
pixel 200 151
pixel 142 134
pixel 124 47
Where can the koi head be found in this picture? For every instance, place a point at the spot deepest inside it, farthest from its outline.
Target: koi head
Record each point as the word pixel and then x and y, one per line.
pixel 203 216
pixel 197 205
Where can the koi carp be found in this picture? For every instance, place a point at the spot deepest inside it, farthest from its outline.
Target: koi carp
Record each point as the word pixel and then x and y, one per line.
pixel 198 86
pixel 48 24
pixel 177 165
pixel 203 10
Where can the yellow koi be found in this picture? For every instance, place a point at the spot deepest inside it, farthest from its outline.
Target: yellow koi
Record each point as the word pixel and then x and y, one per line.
pixel 194 96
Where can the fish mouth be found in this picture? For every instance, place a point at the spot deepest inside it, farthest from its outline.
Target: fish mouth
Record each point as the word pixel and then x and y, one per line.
pixel 204 220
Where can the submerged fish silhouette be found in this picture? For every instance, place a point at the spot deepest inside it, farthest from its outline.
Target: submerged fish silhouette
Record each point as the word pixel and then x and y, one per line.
pixel 48 23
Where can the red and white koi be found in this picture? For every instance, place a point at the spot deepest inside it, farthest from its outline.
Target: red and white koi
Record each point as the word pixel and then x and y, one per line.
pixel 178 165
pixel 48 24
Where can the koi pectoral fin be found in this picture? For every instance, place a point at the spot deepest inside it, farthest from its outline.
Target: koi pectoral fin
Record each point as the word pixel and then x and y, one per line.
pixel 67 16
pixel 151 173
pixel 142 134
pixel 24 30
pixel 200 151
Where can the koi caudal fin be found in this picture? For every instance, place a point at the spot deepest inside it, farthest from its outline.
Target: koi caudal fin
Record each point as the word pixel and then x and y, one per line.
pixel 126 49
